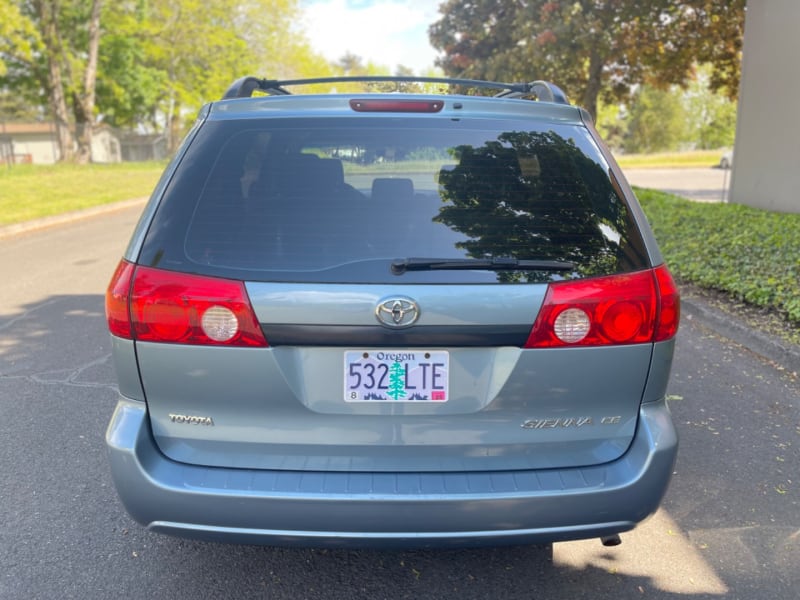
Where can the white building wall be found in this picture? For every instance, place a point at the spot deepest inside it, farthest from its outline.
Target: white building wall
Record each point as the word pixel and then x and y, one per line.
pixel 105 147
pixel 766 162
pixel 40 147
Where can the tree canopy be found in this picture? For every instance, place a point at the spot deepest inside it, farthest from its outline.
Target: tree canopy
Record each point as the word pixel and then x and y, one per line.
pixel 592 48
pixel 150 65
pixel 139 63
pixel 18 35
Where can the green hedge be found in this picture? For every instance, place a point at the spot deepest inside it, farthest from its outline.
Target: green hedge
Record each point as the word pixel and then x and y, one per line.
pixel 752 254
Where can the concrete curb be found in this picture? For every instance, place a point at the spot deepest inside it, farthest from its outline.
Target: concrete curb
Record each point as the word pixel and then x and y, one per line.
pixel 35 224
pixel 765 345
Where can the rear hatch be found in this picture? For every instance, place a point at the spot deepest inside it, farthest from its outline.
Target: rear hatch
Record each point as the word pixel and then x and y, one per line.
pixel 416 294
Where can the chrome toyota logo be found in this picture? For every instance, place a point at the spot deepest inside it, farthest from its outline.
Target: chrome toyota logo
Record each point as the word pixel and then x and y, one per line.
pixel 397 312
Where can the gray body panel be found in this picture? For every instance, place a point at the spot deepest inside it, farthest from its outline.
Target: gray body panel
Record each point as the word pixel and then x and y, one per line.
pixel 509 409
pixel 389 509
pixel 284 407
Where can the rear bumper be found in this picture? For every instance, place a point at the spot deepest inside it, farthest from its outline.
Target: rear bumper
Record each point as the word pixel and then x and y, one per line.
pixel 389 509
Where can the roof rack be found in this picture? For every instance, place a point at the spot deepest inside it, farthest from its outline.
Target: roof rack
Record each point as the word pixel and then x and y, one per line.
pixel 542 90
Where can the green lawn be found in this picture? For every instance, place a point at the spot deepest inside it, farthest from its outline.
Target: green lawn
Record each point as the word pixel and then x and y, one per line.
pixel 34 191
pixel 695 158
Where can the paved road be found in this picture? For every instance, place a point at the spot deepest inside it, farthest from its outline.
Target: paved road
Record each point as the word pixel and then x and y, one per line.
pixel 730 525
pixel 703 185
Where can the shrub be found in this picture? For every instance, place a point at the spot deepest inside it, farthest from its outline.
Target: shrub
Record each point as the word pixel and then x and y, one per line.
pixel 751 254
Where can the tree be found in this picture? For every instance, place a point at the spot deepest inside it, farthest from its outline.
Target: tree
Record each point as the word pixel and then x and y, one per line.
pixel 593 48
pixel 351 64
pixel 710 115
pixel 550 195
pixel 397 387
pixel 129 90
pixel 60 60
pixel 140 62
pixel 656 123
pixel 18 36
pixel 611 123
pixel 84 95
pixel 46 16
pixel 19 40
pixel 190 51
pixel 719 31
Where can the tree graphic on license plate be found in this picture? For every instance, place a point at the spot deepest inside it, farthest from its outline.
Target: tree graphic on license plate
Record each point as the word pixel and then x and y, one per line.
pixel 397 388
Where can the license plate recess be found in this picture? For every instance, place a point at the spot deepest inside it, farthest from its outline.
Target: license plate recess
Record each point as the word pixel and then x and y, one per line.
pixel 396 375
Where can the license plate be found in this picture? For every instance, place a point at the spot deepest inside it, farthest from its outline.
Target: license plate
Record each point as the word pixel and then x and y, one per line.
pixel 396 375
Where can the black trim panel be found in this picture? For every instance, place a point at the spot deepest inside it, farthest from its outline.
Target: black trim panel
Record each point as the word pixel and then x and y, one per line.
pixel 377 336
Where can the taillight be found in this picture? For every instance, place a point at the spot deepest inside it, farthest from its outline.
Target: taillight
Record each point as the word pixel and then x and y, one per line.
pixel 180 308
pixel 669 314
pixel 117 296
pixel 392 105
pixel 631 308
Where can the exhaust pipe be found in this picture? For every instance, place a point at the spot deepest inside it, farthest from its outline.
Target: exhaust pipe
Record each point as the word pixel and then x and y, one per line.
pixel 611 540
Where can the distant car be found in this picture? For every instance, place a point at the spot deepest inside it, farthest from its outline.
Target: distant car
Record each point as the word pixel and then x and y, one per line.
pixel 392 319
pixel 726 161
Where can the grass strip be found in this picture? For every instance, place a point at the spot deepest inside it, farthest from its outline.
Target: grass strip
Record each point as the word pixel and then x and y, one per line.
pixel 751 254
pixel 670 160
pixel 34 191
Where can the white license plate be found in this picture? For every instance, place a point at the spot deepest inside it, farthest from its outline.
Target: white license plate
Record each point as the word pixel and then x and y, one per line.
pixel 396 375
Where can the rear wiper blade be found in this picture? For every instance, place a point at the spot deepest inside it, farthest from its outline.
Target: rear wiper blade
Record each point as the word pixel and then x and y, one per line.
pixel 479 264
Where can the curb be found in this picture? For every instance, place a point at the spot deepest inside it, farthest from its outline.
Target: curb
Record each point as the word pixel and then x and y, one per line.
pixel 764 345
pixel 7 231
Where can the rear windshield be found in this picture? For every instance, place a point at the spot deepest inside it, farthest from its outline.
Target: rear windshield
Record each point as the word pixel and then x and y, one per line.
pixel 340 200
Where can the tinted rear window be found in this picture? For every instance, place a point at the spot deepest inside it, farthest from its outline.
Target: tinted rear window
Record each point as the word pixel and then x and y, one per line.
pixel 337 200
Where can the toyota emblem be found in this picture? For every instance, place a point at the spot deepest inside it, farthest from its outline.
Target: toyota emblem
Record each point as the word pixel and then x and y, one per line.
pixel 397 312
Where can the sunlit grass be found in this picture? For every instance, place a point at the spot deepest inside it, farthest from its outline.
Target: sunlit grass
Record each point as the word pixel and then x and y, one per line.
pixel 34 191
pixel 695 158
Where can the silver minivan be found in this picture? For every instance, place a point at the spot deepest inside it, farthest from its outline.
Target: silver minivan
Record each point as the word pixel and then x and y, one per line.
pixel 392 320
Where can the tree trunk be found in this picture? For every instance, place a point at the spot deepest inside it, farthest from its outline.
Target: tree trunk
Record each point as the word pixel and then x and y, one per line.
pixel 594 84
pixel 47 11
pixel 84 103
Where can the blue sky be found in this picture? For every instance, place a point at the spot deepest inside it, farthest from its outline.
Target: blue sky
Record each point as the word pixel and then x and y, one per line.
pixel 386 32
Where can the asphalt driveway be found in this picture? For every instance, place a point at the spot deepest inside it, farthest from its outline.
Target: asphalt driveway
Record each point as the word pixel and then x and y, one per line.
pixel 701 184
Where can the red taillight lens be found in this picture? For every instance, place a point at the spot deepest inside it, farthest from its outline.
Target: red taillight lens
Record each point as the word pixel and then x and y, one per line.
pixel 117 295
pixel 632 308
pixel 180 308
pixel 407 106
pixel 669 314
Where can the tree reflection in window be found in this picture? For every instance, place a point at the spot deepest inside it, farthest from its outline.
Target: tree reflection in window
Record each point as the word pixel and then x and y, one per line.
pixel 534 195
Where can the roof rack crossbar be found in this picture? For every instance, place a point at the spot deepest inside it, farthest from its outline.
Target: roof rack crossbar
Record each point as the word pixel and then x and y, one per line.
pixel 245 86
pixel 543 90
